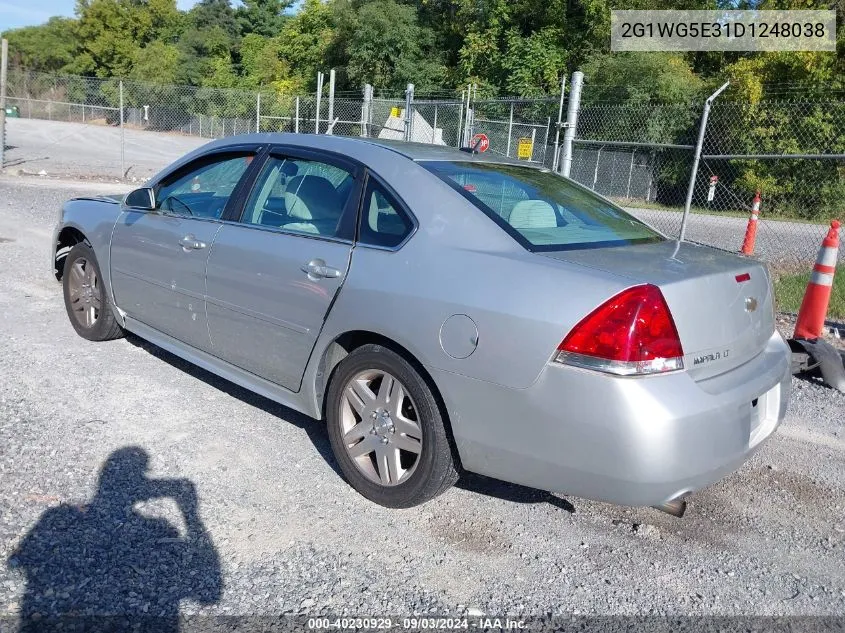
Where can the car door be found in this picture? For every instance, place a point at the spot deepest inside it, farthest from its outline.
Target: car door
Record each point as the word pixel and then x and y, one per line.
pixel 273 275
pixel 158 257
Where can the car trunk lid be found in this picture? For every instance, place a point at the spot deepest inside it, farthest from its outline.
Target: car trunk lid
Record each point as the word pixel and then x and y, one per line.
pixel 721 303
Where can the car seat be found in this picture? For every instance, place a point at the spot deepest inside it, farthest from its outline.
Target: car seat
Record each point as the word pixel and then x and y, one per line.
pixel 532 214
pixel 314 204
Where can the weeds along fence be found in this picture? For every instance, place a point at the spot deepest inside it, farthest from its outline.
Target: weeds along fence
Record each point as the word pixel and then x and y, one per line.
pixel 642 155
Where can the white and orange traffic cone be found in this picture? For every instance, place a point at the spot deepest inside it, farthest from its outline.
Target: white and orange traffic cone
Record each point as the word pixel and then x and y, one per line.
pixel 813 310
pixel 751 229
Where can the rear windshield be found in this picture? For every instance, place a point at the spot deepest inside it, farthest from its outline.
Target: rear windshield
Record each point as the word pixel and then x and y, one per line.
pixel 541 210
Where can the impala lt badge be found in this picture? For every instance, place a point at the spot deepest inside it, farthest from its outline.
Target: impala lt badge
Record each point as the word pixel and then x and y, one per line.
pixel 750 304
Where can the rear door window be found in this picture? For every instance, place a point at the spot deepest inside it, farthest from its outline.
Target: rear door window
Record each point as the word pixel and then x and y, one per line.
pixel 300 196
pixel 540 209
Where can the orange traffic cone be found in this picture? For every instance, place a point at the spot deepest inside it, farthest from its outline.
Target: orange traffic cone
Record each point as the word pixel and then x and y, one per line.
pixel 817 296
pixel 751 229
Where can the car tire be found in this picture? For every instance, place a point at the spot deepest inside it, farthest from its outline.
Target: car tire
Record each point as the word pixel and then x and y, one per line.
pixel 378 452
pixel 88 306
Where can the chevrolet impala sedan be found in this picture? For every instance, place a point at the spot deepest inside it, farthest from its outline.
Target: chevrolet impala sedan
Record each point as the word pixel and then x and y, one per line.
pixel 442 311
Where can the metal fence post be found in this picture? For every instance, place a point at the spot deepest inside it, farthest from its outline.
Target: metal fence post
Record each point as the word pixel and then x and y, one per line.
pixel 460 120
pixel 630 173
pixel 296 118
pixel 434 127
pixel 469 127
pixel 468 119
pixel 596 170
pixel 4 62
pixel 409 115
pixel 331 102
pixel 319 95
pixel 510 132
pixel 546 139
pixel 258 111
pixel 571 121
pixel 697 158
pixel 556 157
pixel 366 111
pixel 122 136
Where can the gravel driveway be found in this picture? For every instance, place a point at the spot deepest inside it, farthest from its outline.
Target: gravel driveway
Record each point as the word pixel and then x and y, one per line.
pixel 273 529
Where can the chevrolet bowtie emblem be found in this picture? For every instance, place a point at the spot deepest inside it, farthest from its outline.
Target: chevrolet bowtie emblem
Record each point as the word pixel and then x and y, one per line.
pixel 750 304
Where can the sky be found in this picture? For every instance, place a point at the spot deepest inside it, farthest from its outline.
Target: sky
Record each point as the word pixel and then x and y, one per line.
pixel 15 13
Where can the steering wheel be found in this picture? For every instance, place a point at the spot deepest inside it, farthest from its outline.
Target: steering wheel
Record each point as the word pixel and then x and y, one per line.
pixel 170 199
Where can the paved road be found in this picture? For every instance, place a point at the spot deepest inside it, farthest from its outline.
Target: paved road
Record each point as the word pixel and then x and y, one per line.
pixel 786 245
pixel 283 533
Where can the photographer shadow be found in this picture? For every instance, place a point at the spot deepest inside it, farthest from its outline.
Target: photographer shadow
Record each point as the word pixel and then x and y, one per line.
pixel 104 565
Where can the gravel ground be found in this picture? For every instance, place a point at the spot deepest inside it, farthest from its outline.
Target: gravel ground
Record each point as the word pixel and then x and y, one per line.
pixel 242 510
pixel 62 148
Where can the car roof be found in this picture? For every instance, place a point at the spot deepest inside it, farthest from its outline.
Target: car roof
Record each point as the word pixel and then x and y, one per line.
pixel 359 147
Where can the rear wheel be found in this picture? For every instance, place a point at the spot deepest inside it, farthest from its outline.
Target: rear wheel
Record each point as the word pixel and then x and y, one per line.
pixel 386 429
pixel 88 306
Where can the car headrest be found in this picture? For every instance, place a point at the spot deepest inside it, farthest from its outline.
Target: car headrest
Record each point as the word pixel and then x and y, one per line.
pixel 532 214
pixel 312 198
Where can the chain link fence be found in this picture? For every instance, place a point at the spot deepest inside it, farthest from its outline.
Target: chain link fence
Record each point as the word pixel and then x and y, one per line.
pixel 791 151
pixel 641 155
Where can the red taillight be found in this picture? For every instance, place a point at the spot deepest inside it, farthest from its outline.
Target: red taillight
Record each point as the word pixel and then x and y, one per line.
pixel 632 333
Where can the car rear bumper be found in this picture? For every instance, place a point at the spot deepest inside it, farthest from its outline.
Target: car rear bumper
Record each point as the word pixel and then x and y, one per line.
pixel 632 441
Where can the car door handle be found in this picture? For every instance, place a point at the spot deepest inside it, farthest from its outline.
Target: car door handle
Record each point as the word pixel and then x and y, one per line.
pixel 191 243
pixel 317 268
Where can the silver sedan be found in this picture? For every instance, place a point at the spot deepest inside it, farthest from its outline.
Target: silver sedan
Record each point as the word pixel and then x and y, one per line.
pixel 442 311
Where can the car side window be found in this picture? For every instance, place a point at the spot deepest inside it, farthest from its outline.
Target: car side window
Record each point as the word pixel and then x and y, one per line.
pixel 298 195
pixel 383 223
pixel 203 191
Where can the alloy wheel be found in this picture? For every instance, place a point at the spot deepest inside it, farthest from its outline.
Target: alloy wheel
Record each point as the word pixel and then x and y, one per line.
pixel 380 427
pixel 84 293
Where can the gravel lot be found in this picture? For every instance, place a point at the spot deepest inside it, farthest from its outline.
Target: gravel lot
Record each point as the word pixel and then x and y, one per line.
pixel 79 149
pixel 276 530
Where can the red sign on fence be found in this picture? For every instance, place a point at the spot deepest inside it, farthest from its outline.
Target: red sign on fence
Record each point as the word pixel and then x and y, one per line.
pixel 482 142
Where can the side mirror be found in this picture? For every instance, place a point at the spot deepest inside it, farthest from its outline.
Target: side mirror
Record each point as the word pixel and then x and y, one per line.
pixel 143 198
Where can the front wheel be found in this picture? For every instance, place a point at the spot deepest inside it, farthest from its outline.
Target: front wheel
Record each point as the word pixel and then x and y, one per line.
pixel 386 429
pixel 88 307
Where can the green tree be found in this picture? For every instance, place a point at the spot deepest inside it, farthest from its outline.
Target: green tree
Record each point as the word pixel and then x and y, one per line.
pixel 49 47
pixel 111 31
pixel 262 17
pixel 261 63
pixel 304 44
pixel 382 43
